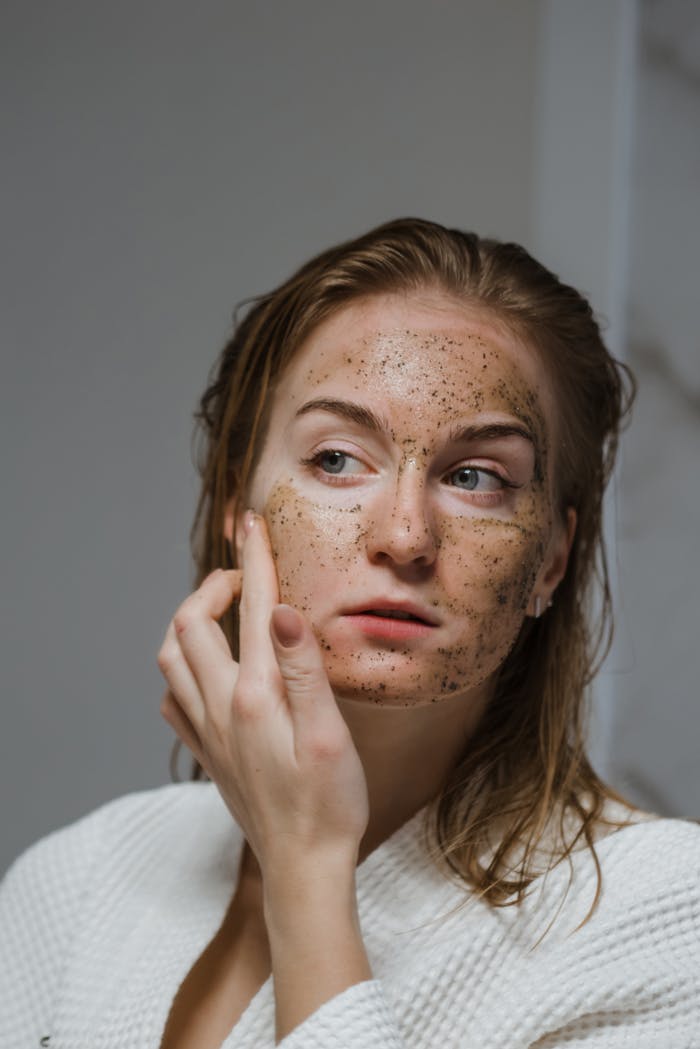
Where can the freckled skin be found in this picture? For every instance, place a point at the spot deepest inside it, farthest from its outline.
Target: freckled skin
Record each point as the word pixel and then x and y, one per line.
pixel 424 365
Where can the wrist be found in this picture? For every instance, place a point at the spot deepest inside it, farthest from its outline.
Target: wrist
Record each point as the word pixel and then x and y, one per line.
pixel 314 935
pixel 312 894
pixel 316 954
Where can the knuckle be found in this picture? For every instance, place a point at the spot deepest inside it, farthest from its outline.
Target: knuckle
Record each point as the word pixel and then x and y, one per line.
pixel 162 661
pixel 192 608
pixel 184 617
pixel 166 657
pixel 301 676
pixel 326 746
pixel 244 704
pixel 166 706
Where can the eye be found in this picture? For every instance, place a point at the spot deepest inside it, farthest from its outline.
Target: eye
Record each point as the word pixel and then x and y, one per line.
pixel 333 461
pixel 473 478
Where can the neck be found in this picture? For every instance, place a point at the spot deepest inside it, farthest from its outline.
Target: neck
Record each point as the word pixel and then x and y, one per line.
pixel 407 754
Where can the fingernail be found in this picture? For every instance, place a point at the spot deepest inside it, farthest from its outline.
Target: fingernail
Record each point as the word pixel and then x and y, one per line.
pixel 248 521
pixel 287 625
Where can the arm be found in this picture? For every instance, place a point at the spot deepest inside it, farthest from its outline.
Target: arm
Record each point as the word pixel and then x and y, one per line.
pixel 270 735
pixel 315 942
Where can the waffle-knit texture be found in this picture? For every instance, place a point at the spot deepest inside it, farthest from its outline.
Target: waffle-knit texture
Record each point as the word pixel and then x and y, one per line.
pixel 101 922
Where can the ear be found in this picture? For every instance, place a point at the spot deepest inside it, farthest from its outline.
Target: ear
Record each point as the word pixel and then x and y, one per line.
pixel 554 565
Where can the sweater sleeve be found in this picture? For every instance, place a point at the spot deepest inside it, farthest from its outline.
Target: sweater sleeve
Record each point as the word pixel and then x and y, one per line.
pixel 359 1018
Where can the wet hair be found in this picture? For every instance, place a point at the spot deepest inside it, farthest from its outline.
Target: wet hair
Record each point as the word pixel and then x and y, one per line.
pixel 524 793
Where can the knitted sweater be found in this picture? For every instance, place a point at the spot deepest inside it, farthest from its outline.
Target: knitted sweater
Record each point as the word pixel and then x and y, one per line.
pixel 101 922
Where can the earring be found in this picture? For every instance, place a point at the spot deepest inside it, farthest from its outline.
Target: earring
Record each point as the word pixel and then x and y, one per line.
pixel 538 606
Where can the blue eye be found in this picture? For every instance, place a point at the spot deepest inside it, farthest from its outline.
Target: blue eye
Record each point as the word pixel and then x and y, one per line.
pixel 466 477
pixel 471 478
pixel 332 462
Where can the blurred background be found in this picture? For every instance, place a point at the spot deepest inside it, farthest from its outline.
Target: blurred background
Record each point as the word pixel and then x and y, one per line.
pixel 162 161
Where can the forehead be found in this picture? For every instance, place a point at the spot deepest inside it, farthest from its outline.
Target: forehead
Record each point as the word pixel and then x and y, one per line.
pixel 421 354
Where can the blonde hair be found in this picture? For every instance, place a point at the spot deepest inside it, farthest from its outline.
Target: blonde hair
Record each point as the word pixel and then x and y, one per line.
pixel 525 770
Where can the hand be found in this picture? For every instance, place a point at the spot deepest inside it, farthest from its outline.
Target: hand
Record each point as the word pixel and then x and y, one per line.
pixel 267 731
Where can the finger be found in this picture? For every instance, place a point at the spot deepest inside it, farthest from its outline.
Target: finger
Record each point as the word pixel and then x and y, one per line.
pixel 259 596
pixel 300 661
pixel 177 719
pixel 202 640
pixel 179 677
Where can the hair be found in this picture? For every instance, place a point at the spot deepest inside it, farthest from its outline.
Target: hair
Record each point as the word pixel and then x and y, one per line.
pixel 524 791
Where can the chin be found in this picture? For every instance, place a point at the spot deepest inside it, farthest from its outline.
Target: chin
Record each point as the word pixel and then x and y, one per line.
pixel 407 677
pixel 397 687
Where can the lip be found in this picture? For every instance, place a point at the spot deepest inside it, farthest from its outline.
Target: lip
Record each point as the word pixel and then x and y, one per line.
pixel 383 628
pixel 425 619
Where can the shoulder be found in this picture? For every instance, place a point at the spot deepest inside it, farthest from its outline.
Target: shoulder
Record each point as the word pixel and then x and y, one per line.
pixel 108 854
pixel 654 852
pixel 643 859
pixel 123 824
pixel 649 898
pixel 72 879
pixel 651 882
pixel 624 964
pixel 648 889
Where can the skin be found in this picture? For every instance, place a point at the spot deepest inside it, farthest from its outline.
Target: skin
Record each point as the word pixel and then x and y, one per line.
pixel 327 736
pixel 390 524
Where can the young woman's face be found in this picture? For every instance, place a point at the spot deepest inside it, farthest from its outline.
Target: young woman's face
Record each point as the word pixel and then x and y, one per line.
pixel 406 483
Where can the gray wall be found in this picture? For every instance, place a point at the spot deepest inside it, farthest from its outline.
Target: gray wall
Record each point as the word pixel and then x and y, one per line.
pixel 160 162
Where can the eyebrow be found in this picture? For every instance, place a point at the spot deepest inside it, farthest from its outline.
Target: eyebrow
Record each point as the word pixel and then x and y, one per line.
pixel 489 431
pixel 356 413
pixel 363 416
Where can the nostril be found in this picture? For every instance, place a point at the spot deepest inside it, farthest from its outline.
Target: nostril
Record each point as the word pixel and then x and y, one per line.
pixel 403 536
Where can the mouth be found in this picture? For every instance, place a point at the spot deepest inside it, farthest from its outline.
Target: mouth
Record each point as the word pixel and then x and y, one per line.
pixel 395 622
pixel 386 608
pixel 393 613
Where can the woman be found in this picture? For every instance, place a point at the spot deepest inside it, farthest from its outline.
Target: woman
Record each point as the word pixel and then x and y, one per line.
pixel 382 673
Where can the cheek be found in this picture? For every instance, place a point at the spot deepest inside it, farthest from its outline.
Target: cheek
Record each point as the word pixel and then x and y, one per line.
pixel 491 564
pixel 486 567
pixel 484 574
pixel 489 569
pixel 310 542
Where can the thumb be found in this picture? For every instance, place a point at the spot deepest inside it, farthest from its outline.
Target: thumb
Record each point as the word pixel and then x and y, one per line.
pixel 299 659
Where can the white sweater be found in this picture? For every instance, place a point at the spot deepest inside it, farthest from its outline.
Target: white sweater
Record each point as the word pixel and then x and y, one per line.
pixel 100 923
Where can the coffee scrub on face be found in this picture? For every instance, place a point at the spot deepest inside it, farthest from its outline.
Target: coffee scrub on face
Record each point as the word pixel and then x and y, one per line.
pixel 434 436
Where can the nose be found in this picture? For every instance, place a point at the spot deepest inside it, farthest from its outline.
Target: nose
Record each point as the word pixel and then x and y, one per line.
pixel 402 530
